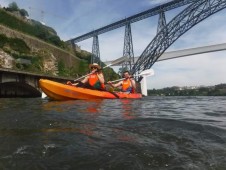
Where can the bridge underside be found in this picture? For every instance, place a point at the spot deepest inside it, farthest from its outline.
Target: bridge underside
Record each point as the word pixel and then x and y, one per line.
pixel 188 18
pixel 18 89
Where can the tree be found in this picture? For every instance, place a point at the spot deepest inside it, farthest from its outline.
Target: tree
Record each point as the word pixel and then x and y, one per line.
pixel 13 6
pixel 54 39
pixel 122 70
pixel 23 13
pixel 61 68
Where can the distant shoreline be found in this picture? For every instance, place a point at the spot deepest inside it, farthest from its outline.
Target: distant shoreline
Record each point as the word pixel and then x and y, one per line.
pixel 217 90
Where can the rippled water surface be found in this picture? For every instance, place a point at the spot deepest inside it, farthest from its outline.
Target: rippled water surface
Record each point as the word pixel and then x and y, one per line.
pixel 151 133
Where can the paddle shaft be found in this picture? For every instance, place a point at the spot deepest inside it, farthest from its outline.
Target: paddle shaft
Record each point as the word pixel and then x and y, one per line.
pixel 119 60
pixel 148 72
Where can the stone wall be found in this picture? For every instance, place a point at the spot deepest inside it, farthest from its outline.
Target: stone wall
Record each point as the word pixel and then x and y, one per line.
pixel 6 61
pixel 35 43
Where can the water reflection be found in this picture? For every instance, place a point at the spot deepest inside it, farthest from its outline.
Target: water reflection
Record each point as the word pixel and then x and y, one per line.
pixel 58 106
pixel 127 107
pixel 83 106
pixel 86 117
pixel 113 134
pixel 78 116
pixel 93 107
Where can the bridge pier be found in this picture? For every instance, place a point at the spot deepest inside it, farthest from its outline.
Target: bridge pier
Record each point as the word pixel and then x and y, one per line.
pixel 95 51
pixel 0 77
pixel 128 48
pixel 18 89
pixel 22 84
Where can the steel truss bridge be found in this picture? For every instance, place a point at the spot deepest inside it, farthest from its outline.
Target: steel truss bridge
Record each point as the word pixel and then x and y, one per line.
pixel 167 33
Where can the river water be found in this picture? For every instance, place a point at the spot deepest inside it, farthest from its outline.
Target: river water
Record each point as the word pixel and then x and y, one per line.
pixel 151 133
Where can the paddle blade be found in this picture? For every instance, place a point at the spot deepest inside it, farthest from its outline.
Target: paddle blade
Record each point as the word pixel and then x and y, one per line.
pixel 43 95
pixel 147 73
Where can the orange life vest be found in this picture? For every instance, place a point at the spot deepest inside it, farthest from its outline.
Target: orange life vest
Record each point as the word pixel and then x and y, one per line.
pixel 127 86
pixel 95 82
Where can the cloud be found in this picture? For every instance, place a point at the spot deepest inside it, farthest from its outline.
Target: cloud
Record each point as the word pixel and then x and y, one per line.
pixel 203 69
pixel 88 16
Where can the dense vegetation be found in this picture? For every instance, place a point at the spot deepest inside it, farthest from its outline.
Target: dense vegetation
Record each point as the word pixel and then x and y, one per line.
pixel 18 49
pixel 217 90
pixel 14 44
pixel 13 7
pixel 33 28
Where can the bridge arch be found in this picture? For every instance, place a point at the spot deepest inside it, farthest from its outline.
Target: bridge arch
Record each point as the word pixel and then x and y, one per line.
pixel 189 17
pixel 18 89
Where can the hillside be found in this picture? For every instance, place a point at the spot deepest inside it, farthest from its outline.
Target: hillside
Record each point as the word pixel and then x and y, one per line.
pixel 30 46
pixel 34 28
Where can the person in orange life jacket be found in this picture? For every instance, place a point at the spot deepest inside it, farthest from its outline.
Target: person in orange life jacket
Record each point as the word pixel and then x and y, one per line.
pixel 128 84
pixel 95 80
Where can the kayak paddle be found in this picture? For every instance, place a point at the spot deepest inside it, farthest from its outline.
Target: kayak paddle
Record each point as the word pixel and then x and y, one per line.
pixel 147 73
pixel 115 62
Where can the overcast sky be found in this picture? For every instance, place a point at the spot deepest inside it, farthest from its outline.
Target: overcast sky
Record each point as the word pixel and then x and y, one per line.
pixel 71 18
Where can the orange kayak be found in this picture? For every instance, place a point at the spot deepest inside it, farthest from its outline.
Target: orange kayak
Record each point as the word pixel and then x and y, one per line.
pixel 59 91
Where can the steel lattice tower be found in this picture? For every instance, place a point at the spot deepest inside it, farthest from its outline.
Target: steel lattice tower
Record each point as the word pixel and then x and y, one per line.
pixel 95 58
pixel 128 48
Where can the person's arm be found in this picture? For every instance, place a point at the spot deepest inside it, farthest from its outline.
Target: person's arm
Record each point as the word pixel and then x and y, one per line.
pixel 85 80
pixel 116 84
pixel 101 78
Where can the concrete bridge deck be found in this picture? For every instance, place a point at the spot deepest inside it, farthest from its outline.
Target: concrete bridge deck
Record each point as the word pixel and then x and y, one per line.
pixel 185 52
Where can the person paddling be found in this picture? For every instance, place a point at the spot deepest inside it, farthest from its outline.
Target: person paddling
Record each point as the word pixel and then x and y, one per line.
pixel 94 80
pixel 128 84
